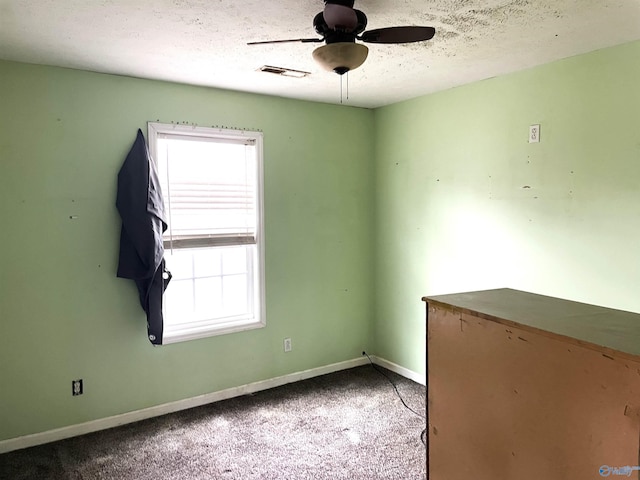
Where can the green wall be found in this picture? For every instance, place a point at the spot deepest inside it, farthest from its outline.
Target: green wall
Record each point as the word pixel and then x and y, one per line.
pixel 465 203
pixel 64 314
pixel 366 212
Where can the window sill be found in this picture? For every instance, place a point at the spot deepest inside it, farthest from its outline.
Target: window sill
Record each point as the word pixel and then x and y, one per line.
pixel 185 335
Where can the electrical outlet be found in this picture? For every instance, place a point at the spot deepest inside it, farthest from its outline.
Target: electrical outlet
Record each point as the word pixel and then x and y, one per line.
pixel 287 344
pixel 534 134
pixel 76 387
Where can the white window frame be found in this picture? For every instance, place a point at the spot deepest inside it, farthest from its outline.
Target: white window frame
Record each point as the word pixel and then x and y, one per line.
pixel 204 329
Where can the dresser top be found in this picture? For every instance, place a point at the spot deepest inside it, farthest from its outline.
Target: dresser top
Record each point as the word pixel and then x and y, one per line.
pixel 605 329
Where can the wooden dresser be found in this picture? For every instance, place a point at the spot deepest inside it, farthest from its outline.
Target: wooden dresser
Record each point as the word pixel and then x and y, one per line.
pixel 529 387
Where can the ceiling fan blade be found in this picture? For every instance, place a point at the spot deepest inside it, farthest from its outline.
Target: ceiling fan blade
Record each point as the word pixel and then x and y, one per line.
pixel 303 40
pixel 398 35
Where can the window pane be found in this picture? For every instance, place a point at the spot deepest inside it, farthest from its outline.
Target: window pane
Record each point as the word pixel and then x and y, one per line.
pixel 207 262
pixel 235 295
pixel 178 302
pixel 234 260
pixel 208 294
pixel 209 283
pixel 179 263
pixel 220 198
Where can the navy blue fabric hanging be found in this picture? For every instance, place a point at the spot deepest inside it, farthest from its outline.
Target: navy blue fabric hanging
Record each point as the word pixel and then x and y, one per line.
pixel 141 208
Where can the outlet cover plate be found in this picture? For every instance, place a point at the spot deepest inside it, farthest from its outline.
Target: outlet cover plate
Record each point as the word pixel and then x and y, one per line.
pixel 534 134
pixel 76 387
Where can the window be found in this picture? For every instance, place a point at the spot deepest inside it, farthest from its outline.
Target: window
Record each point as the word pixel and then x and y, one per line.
pixel 211 181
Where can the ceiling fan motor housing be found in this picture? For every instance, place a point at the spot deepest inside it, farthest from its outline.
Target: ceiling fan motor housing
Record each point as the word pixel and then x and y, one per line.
pixel 344 3
pixel 331 35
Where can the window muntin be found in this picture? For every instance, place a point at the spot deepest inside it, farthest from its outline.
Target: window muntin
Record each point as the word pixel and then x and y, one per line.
pixel 211 181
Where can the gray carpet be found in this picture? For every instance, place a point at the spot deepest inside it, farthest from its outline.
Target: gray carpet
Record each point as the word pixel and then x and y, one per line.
pixel 345 425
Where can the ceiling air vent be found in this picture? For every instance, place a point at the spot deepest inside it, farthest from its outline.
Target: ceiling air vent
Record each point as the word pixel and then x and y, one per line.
pixel 285 72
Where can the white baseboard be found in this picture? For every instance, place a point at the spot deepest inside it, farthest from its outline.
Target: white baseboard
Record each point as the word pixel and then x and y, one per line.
pixel 405 372
pixel 130 417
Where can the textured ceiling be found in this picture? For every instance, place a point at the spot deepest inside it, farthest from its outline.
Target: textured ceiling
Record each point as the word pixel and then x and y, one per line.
pixel 203 42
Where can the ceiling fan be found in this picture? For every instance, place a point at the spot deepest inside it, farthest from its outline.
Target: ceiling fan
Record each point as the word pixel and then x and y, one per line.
pixel 340 25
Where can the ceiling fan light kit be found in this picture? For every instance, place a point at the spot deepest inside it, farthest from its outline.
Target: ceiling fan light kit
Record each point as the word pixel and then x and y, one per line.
pixel 340 25
pixel 341 57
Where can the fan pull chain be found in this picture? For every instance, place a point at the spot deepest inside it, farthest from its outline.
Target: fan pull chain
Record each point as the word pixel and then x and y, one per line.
pixel 347 86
